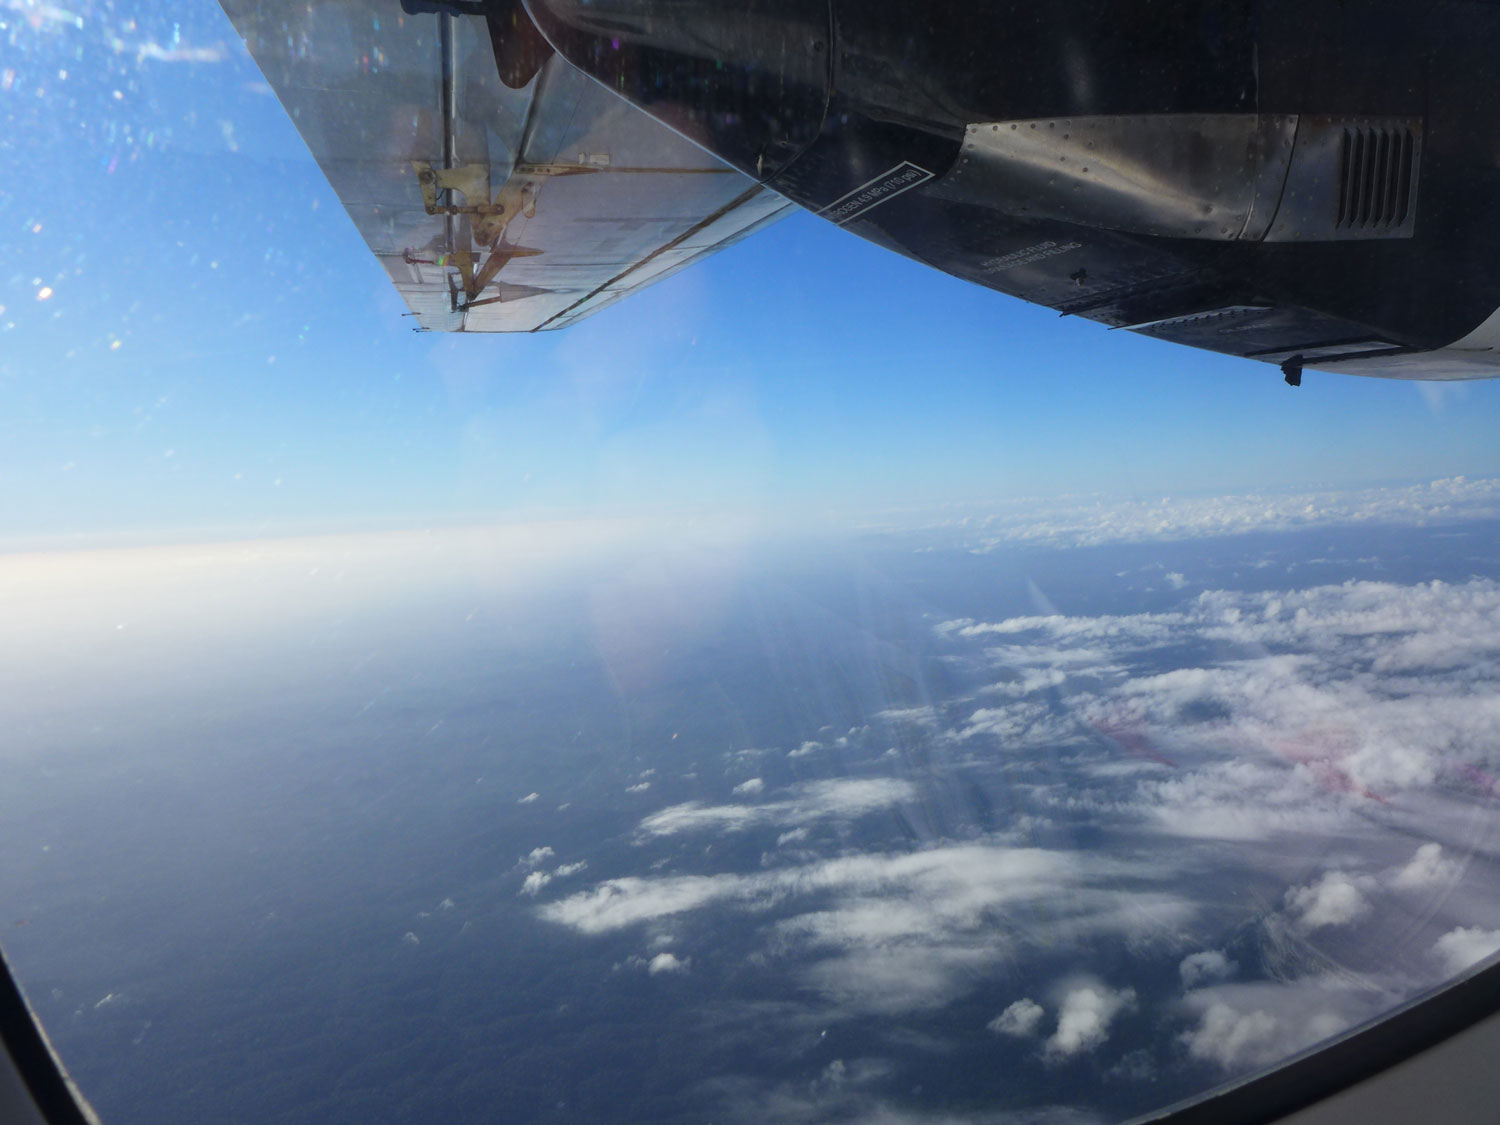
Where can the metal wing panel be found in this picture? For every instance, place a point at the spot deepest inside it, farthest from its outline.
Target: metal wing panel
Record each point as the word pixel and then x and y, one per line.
pixel 492 209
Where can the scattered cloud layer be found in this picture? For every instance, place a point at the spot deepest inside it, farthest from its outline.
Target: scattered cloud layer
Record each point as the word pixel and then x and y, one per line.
pixel 1311 747
pixel 905 931
pixel 1294 706
pixel 1083 521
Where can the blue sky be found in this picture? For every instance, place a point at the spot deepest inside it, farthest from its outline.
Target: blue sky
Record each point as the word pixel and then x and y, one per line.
pixel 221 355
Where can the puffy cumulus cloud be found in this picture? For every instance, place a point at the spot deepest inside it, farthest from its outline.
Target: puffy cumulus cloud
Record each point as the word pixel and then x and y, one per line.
pixel 529 799
pixel 534 882
pixel 1021 1020
pixel 903 932
pixel 1084 1017
pixel 842 799
pixel 1232 1038
pixel 537 856
pixel 667 963
pixel 638 787
pixel 1205 968
pixel 749 788
pixel 1464 946
pixel 1336 899
pixel 1427 868
pixel 1090 521
pixel 1243 1026
pixel 808 747
pixel 537 878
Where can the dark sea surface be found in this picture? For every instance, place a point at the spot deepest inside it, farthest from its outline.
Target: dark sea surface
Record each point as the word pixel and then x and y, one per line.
pixel 807 819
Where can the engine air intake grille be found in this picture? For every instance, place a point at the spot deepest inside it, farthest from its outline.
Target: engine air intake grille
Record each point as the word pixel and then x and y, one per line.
pixel 1375 177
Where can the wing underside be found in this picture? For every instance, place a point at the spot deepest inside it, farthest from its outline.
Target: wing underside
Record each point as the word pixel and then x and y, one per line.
pixel 493 207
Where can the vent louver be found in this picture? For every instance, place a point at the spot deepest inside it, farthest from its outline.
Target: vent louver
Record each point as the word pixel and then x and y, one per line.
pixel 1375 177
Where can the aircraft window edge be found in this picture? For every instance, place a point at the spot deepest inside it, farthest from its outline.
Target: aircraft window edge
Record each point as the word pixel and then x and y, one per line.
pixel 1322 1072
pixel 34 1063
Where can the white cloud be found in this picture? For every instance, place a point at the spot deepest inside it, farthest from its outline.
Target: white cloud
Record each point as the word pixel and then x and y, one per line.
pixel 666 963
pixel 1320 717
pixel 1300 708
pixel 844 799
pixel 805 749
pixel 1232 1039
pixel 896 977
pixel 528 799
pixel 1031 680
pixel 566 869
pixel 1084 1018
pixel 904 931
pixel 1427 868
pixel 749 788
pixel 1464 946
pixel 1206 967
pixel 1241 1026
pixel 917 716
pixel 639 787
pixel 1334 900
pixel 535 882
pixel 537 856
pixel 1093 520
pixel 1020 1020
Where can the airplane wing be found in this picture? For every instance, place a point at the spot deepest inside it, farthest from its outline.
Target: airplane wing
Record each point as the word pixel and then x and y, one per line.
pixel 501 189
